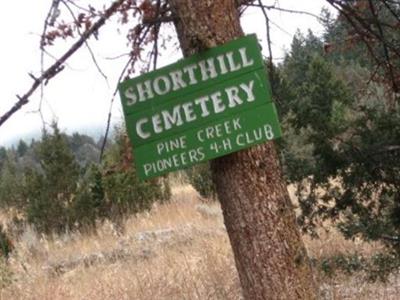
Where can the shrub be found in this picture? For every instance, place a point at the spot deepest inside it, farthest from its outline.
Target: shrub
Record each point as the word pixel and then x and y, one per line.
pixel 10 182
pixel 89 203
pixel 6 246
pixel 50 190
pixel 201 179
pixel 124 192
pixel 56 194
pixel 378 267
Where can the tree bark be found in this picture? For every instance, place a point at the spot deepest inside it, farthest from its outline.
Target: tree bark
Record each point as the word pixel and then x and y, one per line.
pixel 269 253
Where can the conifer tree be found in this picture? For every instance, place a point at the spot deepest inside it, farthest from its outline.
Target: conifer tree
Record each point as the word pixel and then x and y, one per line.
pixel 51 190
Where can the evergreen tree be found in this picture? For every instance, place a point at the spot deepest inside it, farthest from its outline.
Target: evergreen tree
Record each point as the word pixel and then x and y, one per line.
pixel 22 148
pixel 341 146
pixel 124 191
pixel 51 190
pixel 90 203
pixel 3 156
pixel 10 183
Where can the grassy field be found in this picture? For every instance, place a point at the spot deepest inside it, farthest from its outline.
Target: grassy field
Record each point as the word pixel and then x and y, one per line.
pixel 179 250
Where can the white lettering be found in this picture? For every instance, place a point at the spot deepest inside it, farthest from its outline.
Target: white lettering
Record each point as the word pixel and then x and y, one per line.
pixel 233 96
pixel 245 61
pixel 269 134
pixel 164 88
pixel 236 124
pixel 227 127
pixel 239 139
pixel 130 94
pixel 200 136
pixel 232 66
pixel 171 145
pixel 190 71
pixel 208 71
pixel 139 128
pixel 219 106
pixel 188 110
pixel 157 123
pixel 145 92
pixel 174 119
pixel 202 101
pixel 248 89
pixel 222 64
pixel 177 80
pixel 147 169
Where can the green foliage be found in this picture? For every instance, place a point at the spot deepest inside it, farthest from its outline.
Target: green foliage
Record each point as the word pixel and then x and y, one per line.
pixel 59 198
pixel 10 183
pixel 57 184
pixel 3 155
pixel 6 245
pixel 90 203
pixel 6 248
pixel 51 190
pixel 85 150
pixel 378 267
pixel 201 179
pixel 77 140
pixel 372 182
pixel 297 151
pixel 124 191
pixel 314 115
pixel 22 148
pixel 341 143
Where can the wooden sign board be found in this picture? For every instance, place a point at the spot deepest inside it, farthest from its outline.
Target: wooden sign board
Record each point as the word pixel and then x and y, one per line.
pixel 202 107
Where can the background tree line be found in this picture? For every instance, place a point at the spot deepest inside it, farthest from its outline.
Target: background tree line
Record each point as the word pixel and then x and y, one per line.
pixel 338 99
pixel 57 184
pixel 341 145
pixel 340 114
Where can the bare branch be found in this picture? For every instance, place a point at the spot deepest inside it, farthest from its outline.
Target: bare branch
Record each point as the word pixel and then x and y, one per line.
pixel 369 27
pixel 118 56
pixel 281 29
pixel 86 43
pixel 397 17
pixel 346 9
pixel 57 67
pixel 243 2
pixel 292 11
pixel 154 52
pixel 144 30
pixel 158 20
pixel 270 63
pixel 89 11
pixel 267 31
pixel 54 58
pixel 103 145
pixel 49 21
pixel 385 48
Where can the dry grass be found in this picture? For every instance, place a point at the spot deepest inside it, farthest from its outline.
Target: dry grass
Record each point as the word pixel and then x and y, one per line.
pixel 179 250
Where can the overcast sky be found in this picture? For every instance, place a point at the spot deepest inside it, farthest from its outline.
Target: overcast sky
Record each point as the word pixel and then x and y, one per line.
pixel 79 97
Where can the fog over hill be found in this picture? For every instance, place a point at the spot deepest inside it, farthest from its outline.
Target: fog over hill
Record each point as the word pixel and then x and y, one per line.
pixel 96 132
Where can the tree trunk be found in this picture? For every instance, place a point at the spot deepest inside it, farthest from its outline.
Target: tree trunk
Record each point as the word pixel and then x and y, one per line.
pixel 270 256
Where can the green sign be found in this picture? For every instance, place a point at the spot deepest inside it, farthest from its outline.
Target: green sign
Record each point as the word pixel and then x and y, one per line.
pixel 227 135
pixel 208 105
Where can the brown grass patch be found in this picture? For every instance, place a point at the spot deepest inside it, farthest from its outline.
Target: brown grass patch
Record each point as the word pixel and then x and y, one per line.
pixel 179 250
